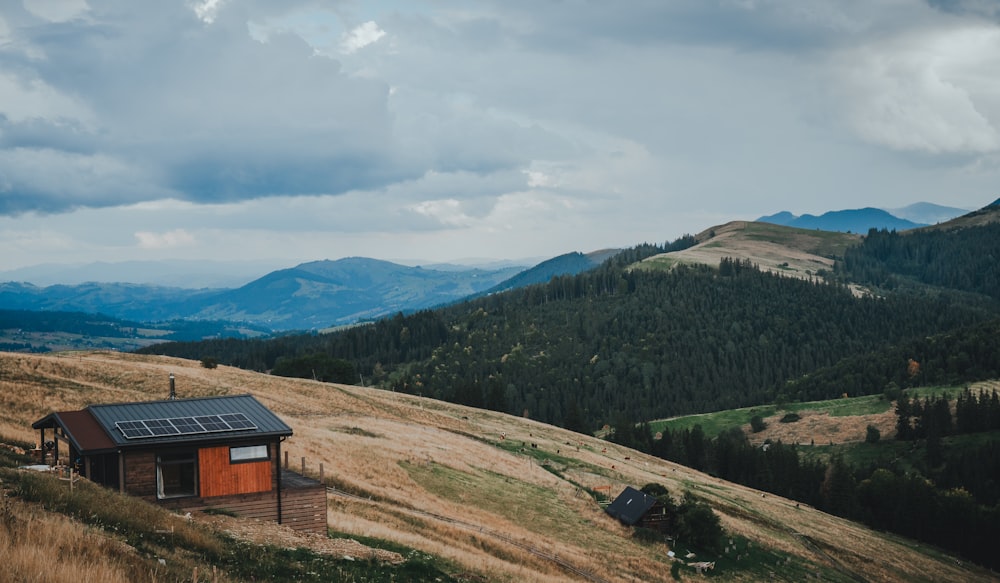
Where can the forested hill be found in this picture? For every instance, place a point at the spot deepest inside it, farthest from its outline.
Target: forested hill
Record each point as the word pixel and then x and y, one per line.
pixel 616 343
pixel 964 258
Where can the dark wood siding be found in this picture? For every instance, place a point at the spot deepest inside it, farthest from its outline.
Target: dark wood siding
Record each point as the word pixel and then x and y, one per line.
pixel 304 509
pixel 262 505
pixel 219 477
pixel 140 473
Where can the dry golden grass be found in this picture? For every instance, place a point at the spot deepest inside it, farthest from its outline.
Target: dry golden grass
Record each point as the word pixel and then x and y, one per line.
pixel 788 251
pixel 420 460
pixel 821 428
pixel 50 548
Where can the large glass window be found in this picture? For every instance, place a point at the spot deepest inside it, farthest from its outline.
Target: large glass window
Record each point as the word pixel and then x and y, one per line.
pixel 248 453
pixel 176 474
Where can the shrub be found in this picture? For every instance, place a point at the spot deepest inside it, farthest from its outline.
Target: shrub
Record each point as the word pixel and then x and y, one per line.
pixel 699 526
pixel 790 418
pixel 757 424
pixel 872 434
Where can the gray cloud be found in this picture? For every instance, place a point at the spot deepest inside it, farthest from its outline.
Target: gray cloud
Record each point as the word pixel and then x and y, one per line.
pixel 460 126
pixel 203 110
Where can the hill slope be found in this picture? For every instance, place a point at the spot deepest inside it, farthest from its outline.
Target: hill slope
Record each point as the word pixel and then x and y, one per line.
pixel 500 496
pixel 567 264
pixel 790 251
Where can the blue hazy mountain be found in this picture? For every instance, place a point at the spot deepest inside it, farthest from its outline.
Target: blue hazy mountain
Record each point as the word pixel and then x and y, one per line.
pixel 311 295
pixel 845 221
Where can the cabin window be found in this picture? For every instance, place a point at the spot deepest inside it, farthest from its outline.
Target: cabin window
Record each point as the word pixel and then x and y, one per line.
pixel 248 453
pixel 176 474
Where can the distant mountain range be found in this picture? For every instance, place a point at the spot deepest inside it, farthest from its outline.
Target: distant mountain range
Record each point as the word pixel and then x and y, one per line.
pixel 167 273
pixel 313 295
pixel 861 220
pixel 323 294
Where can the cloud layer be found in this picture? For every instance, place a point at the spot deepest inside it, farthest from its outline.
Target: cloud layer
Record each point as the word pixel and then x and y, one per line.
pixel 443 130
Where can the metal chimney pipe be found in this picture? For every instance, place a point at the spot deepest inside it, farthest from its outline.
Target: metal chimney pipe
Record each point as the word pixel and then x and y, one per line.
pixel 173 393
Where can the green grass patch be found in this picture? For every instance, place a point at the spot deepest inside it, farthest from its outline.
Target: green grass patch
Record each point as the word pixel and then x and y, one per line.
pixel 713 423
pixel 501 495
pixel 849 407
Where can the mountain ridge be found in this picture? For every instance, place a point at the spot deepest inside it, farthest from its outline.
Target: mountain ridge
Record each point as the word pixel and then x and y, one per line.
pixel 849 221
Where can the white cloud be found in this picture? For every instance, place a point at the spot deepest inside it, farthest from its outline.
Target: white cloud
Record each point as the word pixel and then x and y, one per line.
pixel 56 10
pixel 166 240
pixel 933 92
pixel 28 99
pixel 447 212
pixel 361 36
pixel 207 10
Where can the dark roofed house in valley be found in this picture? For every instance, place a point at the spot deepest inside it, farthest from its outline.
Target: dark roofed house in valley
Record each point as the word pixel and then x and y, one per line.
pixel 189 454
pixel 636 508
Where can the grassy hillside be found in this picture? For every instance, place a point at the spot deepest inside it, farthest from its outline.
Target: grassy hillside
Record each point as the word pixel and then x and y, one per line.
pixel 488 496
pixel 790 251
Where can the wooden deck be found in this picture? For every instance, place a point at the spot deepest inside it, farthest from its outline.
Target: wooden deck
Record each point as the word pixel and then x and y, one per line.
pixel 303 504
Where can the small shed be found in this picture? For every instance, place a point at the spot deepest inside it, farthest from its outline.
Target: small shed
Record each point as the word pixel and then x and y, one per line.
pixel 188 454
pixel 636 508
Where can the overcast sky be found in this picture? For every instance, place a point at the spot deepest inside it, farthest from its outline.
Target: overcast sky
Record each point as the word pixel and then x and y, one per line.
pixel 443 130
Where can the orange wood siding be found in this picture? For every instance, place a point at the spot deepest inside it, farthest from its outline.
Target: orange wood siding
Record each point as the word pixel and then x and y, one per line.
pixel 218 477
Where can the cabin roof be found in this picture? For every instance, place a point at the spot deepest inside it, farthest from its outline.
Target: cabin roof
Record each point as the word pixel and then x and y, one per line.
pixel 81 428
pixel 631 505
pixel 157 423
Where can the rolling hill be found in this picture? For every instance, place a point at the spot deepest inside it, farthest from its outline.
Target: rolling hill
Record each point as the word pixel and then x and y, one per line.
pixel 495 497
pixel 789 251
pixel 567 264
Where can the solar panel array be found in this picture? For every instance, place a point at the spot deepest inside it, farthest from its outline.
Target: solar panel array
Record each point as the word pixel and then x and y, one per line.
pixel 184 425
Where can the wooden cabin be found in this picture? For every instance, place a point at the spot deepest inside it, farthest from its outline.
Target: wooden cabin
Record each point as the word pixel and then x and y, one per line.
pixel 636 508
pixel 189 454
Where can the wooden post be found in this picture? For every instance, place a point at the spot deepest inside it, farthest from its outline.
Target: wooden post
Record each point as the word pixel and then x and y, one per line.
pixel 286 459
pixel 303 465
pixel 320 472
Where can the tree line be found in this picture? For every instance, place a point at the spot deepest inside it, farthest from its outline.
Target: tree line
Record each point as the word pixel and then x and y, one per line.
pixel 965 259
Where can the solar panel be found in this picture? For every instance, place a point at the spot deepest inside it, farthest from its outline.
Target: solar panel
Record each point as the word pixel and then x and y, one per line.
pixel 212 423
pixel 185 425
pixel 238 421
pixel 161 427
pixel 133 429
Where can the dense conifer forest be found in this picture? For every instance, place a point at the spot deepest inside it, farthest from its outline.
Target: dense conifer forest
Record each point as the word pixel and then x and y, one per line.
pixel 959 259
pixel 621 343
